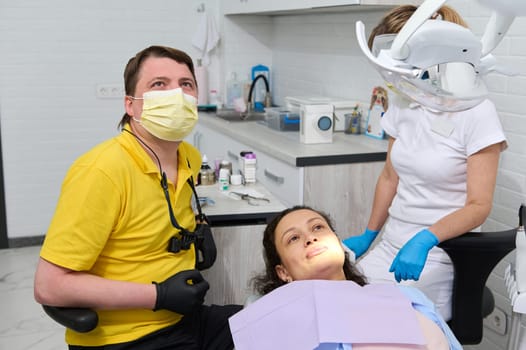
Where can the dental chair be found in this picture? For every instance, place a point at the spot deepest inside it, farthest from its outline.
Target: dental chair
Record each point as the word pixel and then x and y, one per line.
pixel 474 255
pixel 80 320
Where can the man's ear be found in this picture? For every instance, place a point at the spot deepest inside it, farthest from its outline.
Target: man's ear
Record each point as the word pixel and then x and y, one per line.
pixel 283 274
pixel 128 106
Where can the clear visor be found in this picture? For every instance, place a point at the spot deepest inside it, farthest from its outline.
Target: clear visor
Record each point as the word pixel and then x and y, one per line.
pixel 433 89
pixel 448 87
pixel 382 42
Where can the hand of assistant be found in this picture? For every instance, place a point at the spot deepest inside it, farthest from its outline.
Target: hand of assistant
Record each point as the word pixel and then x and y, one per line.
pixel 410 260
pixel 181 293
pixel 360 244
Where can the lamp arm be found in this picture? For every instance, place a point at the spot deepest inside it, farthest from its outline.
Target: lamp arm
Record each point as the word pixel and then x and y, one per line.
pixel 399 49
pixel 498 25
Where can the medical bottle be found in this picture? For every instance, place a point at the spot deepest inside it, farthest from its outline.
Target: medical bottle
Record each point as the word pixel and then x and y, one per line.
pixel 233 90
pixel 249 168
pixel 214 98
pixel 206 175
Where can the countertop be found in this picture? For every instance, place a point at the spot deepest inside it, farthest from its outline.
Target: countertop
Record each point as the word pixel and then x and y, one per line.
pixel 231 210
pixel 286 145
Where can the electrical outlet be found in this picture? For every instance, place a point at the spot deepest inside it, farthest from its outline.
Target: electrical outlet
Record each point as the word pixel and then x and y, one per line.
pixel 110 91
pixel 496 321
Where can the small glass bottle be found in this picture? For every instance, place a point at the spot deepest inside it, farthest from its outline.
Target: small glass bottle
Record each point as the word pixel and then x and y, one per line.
pixel 206 174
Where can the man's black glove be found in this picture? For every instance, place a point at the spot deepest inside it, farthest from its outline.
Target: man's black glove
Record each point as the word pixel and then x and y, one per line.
pixel 181 293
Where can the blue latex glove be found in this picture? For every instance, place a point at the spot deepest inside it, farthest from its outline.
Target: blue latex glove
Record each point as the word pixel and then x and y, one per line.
pixel 360 244
pixel 410 260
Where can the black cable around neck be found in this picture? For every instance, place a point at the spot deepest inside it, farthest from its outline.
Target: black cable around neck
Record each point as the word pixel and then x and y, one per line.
pixel 151 150
pixel 164 184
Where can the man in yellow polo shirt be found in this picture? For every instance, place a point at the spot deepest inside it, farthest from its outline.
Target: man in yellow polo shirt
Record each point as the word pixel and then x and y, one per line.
pixel 121 203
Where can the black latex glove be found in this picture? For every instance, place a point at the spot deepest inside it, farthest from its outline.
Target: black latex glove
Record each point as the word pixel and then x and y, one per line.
pixel 181 293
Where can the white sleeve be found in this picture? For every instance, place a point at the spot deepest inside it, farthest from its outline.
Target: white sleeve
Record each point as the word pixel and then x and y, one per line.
pixel 389 121
pixel 483 128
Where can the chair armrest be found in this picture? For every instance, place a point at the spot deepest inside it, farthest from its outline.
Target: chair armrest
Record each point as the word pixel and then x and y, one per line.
pixel 80 320
pixel 474 255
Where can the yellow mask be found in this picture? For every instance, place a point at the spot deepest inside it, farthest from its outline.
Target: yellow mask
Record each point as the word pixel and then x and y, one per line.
pixel 168 114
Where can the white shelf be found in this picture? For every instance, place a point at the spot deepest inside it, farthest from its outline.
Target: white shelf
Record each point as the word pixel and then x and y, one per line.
pixel 280 7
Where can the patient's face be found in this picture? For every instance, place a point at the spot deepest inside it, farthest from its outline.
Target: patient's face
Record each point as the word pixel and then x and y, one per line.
pixel 308 248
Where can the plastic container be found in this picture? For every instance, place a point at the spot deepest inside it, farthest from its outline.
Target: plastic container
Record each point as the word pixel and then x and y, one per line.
pixel 353 123
pixel 225 164
pixel 249 168
pixel 236 179
pixel 282 120
pixel 214 98
pixel 224 179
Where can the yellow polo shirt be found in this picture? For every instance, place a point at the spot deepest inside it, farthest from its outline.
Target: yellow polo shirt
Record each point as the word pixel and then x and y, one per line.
pixel 112 221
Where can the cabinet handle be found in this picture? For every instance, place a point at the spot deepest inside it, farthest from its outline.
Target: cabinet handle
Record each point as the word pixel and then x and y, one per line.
pixel 232 155
pixel 278 179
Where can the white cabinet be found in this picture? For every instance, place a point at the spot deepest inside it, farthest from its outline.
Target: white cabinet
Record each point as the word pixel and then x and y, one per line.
pixel 216 146
pixel 231 7
pixel 240 6
pixel 281 179
pixel 269 6
pixel 345 191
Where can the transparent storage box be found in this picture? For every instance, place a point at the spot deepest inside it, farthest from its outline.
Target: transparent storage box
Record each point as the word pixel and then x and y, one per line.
pixel 282 119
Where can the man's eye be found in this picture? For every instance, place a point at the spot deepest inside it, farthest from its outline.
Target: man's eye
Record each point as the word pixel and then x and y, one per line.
pixel 188 84
pixel 157 84
pixel 318 227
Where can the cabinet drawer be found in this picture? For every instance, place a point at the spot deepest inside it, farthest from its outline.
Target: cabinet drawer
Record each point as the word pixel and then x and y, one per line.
pixel 281 179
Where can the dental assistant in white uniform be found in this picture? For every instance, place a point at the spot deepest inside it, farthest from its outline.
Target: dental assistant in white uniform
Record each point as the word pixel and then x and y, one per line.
pixel 437 183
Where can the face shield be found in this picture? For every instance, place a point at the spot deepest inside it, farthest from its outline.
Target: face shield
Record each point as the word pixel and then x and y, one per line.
pixel 438 68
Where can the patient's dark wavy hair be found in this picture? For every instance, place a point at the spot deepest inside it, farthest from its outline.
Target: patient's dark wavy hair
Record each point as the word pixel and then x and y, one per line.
pixel 267 281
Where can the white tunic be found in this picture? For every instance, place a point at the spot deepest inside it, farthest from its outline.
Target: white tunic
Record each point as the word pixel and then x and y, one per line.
pixel 430 157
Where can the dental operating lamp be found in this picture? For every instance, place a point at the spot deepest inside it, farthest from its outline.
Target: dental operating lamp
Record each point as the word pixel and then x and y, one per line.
pixel 441 64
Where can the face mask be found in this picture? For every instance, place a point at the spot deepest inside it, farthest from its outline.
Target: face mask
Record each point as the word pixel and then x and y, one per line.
pixel 168 114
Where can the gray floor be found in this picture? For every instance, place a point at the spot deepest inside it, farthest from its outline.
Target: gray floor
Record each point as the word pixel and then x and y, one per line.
pixel 23 323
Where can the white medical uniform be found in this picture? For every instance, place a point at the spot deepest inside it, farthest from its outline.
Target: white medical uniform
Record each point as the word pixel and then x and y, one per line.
pixel 430 157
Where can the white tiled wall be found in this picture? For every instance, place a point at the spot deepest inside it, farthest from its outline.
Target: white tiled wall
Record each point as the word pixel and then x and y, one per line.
pixel 53 54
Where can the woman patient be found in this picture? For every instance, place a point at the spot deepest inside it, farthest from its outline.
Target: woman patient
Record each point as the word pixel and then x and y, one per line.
pixel 300 244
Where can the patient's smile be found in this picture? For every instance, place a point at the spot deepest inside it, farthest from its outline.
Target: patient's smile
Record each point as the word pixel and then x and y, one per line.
pixel 316 251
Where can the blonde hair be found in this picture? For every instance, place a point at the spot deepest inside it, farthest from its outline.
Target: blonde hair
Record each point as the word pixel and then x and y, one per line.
pixel 394 20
